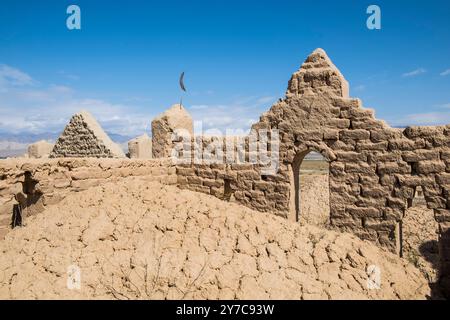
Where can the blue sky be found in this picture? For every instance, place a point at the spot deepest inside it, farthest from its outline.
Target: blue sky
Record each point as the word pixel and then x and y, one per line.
pixel 124 63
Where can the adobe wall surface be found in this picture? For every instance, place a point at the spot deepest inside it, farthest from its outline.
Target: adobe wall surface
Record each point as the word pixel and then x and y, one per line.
pixel 176 117
pixel 238 181
pixel 140 147
pixel 36 183
pixel 374 169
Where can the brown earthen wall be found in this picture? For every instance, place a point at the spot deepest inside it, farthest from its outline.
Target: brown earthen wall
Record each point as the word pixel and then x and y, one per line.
pixel 35 184
pixel 374 169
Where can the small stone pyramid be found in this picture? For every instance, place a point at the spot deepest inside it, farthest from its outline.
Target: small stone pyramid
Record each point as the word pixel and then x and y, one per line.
pixel 318 75
pixel 83 137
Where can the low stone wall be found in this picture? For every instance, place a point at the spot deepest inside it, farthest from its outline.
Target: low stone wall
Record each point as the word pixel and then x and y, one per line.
pixel 35 183
pixel 242 183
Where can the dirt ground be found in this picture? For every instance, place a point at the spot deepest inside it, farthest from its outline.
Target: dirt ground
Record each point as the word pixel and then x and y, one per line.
pixel 141 240
pixel 314 199
pixel 420 229
pixel 420 239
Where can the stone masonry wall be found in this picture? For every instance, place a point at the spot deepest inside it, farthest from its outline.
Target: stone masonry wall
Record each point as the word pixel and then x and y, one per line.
pixel 238 181
pixel 374 169
pixel 35 184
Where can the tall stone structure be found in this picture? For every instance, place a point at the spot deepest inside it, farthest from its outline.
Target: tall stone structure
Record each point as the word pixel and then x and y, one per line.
pixel 40 149
pixel 140 147
pixel 374 169
pixel 164 127
pixel 318 75
pixel 83 137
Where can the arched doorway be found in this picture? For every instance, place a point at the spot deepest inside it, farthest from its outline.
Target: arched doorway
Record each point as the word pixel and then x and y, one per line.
pixel 310 192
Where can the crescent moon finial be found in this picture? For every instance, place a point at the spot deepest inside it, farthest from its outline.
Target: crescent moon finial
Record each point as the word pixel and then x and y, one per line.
pixel 182 82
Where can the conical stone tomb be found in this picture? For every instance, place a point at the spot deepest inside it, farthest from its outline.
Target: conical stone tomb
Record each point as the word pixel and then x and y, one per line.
pixel 83 137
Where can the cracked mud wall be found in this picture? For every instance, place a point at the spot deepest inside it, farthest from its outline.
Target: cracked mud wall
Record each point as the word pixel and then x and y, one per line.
pixel 35 184
pixel 374 169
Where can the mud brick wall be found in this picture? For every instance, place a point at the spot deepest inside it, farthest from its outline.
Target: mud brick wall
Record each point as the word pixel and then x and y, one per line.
pixel 242 183
pixel 34 184
pixel 374 169
pixel 238 180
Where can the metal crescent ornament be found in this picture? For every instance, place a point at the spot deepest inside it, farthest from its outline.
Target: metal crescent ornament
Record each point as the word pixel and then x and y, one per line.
pixel 182 82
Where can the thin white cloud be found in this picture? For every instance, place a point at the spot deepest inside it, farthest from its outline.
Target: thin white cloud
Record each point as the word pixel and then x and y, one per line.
pixel 234 118
pixel 69 76
pixel 445 106
pixel 414 73
pixel 198 107
pixel 10 76
pixel 445 73
pixel 423 119
pixel 47 108
pixel 263 100
pixel 26 108
pixel 359 88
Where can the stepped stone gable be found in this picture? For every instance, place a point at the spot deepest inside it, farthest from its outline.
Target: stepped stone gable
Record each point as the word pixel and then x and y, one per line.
pixel 318 75
pixel 374 169
pixel 83 137
pixel 165 125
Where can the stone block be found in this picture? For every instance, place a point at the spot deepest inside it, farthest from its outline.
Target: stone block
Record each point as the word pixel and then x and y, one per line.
pixel 427 167
pixel 357 134
pixel 140 147
pixel 40 149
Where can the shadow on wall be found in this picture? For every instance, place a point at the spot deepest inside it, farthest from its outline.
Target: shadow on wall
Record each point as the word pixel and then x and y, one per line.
pixel 29 201
pixel 417 228
pixel 429 251
pixel 444 266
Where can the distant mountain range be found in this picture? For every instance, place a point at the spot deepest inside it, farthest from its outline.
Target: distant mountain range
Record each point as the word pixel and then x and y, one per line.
pixel 13 145
pixel 16 144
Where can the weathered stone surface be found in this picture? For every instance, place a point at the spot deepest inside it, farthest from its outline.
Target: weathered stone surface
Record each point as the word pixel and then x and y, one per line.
pixel 40 149
pixel 357 134
pixel 420 155
pixel 318 75
pixel 165 127
pixel 53 179
pixel 374 170
pixel 140 147
pixel 426 167
pixel 83 137
pixel 191 246
pixel 424 131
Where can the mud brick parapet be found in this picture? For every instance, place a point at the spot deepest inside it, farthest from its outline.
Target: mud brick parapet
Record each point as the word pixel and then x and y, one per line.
pixel 34 184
